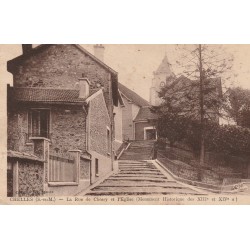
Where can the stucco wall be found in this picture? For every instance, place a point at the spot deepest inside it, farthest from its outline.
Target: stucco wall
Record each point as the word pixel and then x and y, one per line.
pixel 135 110
pixel 105 166
pixel 118 126
pixel 127 121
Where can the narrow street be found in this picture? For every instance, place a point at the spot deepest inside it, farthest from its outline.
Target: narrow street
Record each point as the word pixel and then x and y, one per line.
pixel 140 178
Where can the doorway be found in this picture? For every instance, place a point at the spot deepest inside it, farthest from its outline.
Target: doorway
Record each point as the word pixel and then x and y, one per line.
pixel 150 133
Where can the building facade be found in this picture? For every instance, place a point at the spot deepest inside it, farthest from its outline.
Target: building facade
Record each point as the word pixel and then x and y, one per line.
pixel 59 93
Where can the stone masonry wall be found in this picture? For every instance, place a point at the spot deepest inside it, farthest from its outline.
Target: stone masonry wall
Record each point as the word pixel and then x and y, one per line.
pixel 67 129
pixel 30 178
pixel 98 121
pixel 61 66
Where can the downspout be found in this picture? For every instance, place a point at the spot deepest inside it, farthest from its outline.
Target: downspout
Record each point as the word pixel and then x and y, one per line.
pixel 86 109
pixel 111 108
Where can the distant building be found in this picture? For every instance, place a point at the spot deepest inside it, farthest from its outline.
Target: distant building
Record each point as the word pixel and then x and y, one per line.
pixel 136 123
pixel 185 91
pixel 162 76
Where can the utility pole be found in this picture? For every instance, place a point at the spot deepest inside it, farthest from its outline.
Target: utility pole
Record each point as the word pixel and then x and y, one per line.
pixel 202 150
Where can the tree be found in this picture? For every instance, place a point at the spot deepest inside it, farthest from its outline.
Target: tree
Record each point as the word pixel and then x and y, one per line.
pixel 198 92
pixel 238 106
pixel 171 124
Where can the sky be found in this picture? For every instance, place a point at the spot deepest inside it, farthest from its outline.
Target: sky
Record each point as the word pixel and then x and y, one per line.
pixel 135 63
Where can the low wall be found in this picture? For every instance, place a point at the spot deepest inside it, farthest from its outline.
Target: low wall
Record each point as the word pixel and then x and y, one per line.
pixel 30 178
pixel 206 176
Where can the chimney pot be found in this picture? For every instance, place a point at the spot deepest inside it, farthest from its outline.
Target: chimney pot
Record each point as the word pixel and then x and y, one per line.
pixel 26 48
pixel 99 51
pixel 83 88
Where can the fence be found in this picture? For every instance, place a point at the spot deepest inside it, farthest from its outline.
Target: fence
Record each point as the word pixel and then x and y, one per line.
pixel 62 169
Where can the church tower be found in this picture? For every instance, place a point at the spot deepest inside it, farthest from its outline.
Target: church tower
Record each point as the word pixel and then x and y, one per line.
pixel 162 76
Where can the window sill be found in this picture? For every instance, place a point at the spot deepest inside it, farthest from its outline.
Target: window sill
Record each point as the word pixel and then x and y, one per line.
pixel 97 175
pixel 39 138
pixel 59 184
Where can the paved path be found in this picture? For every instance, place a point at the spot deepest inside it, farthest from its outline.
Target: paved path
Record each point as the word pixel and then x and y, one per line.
pixel 140 178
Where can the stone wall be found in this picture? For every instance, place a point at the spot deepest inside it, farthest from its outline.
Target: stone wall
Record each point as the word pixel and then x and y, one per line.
pixel 98 123
pixel 61 66
pixel 67 128
pixel 30 178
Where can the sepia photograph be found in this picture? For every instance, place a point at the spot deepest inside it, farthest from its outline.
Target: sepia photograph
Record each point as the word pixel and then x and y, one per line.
pixel 127 123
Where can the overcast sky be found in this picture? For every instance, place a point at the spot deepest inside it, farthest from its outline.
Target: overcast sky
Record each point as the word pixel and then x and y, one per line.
pixel 135 63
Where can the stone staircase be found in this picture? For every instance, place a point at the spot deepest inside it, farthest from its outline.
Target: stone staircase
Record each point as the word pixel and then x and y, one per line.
pixel 139 178
pixel 138 150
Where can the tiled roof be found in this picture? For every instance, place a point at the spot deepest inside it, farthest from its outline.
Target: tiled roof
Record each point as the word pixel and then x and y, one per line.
pixel 132 96
pixel 22 155
pixel 145 113
pixel 46 95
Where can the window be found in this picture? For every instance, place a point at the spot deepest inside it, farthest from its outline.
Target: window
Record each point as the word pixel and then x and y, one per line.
pixel 96 167
pixel 39 123
pixel 108 140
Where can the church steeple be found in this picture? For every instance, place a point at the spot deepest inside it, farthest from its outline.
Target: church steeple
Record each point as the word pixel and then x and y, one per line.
pixel 162 76
pixel 164 67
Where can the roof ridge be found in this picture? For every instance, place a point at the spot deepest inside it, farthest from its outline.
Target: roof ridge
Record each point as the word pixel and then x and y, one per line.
pixel 44 88
pixel 139 102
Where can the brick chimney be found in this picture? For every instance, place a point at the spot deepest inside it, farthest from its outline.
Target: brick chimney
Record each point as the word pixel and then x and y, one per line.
pixel 26 48
pixel 83 87
pixel 99 51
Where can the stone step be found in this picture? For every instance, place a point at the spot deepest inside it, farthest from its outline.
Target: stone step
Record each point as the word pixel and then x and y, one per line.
pixel 142 189
pixel 145 173
pixel 136 171
pixel 139 184
pixel 136 168
pixel 137 178
pixel 141 193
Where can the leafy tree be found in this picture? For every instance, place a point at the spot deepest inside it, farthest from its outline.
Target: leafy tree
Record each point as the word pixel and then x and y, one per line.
pixel 238 106
pixel 197 94
pixel 170 124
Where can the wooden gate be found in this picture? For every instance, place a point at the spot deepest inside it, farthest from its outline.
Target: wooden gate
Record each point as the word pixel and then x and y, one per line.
pixel 62 169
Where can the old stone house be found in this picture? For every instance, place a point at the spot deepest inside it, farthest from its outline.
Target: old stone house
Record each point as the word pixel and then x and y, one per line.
pixel 60 109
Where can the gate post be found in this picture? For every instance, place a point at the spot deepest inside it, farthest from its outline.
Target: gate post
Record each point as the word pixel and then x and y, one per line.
pixel 76 154
pixel 41 149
